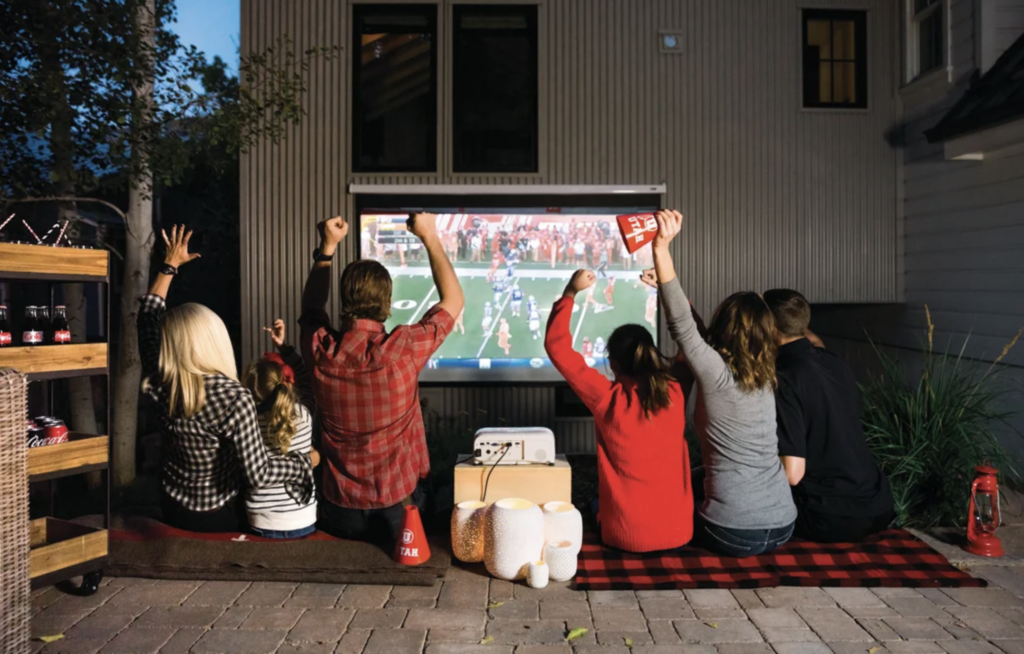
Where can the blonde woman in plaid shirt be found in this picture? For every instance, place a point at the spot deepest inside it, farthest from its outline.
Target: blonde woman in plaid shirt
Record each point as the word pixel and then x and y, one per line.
pixel 212 448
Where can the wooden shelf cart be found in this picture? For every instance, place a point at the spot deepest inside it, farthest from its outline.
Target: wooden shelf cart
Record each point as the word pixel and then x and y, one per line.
pixel 61 549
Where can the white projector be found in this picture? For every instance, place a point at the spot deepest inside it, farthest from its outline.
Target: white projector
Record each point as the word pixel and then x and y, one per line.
pixel 514 446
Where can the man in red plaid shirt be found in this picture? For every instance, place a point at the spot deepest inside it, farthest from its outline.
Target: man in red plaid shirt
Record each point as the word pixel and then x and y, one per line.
pixel 365 380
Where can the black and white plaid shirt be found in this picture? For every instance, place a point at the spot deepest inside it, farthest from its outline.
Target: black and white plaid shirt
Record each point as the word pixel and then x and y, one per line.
pixel 212 456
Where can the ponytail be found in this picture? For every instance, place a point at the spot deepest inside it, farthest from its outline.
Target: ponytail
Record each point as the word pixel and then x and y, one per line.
pixel 632 351
pixel 275 400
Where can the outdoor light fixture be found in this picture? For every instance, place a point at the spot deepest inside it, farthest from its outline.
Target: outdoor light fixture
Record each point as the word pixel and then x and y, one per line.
pixel 670 42
pixel 983 513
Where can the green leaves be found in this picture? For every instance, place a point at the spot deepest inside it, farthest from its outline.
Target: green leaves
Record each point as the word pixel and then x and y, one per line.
pixel 576 633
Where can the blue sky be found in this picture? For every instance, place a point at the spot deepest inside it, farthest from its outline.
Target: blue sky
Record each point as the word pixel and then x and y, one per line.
pixel 212 26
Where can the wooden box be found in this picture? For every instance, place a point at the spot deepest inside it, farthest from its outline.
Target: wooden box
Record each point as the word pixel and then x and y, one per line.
pixel 82 453
pixel 537 483
pixel 58 544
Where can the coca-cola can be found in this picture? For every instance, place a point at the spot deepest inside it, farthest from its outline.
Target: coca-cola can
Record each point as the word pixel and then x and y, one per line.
pixel 56 432
pixel 36 436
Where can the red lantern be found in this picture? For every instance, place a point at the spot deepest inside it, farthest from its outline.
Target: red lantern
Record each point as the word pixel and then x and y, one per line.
pixel 983 513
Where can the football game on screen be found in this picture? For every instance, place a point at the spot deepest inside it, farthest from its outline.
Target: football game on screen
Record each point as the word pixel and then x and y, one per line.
pixel 512 268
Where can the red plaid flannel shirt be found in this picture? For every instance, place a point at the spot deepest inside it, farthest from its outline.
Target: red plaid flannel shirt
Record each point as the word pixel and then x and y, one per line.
pixel 366 384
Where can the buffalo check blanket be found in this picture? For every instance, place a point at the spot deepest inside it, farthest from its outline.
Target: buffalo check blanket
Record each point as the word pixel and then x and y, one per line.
pixel 889 559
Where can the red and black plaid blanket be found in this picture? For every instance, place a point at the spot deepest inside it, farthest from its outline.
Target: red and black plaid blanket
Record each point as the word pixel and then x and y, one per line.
pixel 891 558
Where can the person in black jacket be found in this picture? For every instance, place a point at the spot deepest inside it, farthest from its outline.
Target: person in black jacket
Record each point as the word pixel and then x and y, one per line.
pixel 840 493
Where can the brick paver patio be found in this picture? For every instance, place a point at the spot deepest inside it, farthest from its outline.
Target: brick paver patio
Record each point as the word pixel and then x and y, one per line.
pixel 456 615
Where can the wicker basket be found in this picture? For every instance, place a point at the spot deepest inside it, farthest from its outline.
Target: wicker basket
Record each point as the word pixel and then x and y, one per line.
pixel 15 596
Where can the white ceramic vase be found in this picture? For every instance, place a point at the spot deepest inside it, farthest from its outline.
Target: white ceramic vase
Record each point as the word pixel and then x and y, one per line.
pixel 514 536
pixel 560 555
pixel 537 575
pixel 468 531
pixel 563 522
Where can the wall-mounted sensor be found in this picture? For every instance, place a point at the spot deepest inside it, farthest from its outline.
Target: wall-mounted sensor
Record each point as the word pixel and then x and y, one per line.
pixel 669 41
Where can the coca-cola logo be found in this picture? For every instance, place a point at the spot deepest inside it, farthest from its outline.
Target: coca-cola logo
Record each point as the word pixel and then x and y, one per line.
pixel 5 338
pixel 62 336
pixel 36 438
pixel 32 337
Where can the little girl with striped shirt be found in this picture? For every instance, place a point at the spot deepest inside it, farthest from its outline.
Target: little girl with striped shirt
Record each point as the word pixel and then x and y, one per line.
pixel 286 425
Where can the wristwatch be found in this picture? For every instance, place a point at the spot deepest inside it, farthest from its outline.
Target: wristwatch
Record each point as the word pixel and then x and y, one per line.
pixel 318 256
pixel 168 269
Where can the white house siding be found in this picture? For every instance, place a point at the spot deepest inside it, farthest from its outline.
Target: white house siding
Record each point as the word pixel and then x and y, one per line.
pixel 774 195
pixel 963 241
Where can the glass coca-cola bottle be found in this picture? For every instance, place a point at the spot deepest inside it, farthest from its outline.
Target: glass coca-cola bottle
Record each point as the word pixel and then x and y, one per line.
pixel 60 331
pixel 31 330
pixel 5 327
pixel 44 323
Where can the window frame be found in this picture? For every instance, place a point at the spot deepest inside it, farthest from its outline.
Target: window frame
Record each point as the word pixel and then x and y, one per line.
pixel 436 16
pixel 535 21
pixel 913 38
pixel 861 66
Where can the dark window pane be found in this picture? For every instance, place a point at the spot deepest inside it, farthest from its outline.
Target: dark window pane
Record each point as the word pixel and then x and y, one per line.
pixel 921 5
pixel 494 87
pixel 835 58
pixel 394 123
pixel 929 42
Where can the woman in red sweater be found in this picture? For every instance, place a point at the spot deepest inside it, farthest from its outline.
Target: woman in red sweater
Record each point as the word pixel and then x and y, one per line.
pixel 644 494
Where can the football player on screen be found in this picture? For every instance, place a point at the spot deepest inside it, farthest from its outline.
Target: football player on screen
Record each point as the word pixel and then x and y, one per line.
pixel 488 312
pixel 503 336
pixel 531 305
pixel 534 321
pixel 499 288
pixel 517 300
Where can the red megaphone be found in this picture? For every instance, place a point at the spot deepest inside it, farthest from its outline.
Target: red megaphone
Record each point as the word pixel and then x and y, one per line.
pixel 412 548
pixel 637 230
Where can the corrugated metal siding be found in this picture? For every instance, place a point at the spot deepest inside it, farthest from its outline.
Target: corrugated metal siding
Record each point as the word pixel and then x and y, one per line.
pixel 775 196
pixel 964 224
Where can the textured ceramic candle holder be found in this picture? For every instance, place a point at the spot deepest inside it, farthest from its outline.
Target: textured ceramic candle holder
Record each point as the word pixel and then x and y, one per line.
pixel 468 531
pixel 514 536
pixel 560 555
pixel 537 575
pixel 563 522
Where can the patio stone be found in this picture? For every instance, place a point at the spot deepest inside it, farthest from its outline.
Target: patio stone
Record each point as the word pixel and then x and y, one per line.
pixel 778 618
pixel 138 641
pixel 467 648
pixel 983 597
pixel 853 597
pixel 265 594
pixel 988 623
pixel 879 629
pixel 613 599
pixel 353 641
pixel 970 647
pixel 379 618
pixel 913 647
pixel 708 598
pixel 618 619
pixel 305 648
pixel 392 641
pixel 544 649
pixel 613 637
pixel 272 618
pixel 663 632
pixel 182 641
pixel 778 635
pixel 747 598
pixel 785 597
pixel 917 629
pixel 727 631
pixel 802 648
pixel 364 597
pixel 464 594
pixel 501 590
pixel 719 613
pixel 915 607
pixel 232 641
pixel 233 617
pixel 659 594
pixel 741 648
pixel 832 624
pixel 446 619
pixel 517 610
pixel 321 625
pixel 455 635
pixel 526 632
pixel 217 593
pixel 315 596
pixel 560 610
pixel 180 617
pixel 561 590
pixel 666 608
pixel 166 594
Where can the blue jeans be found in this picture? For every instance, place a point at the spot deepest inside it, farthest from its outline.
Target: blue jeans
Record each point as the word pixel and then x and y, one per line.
pixel 741 542
pixel 294 533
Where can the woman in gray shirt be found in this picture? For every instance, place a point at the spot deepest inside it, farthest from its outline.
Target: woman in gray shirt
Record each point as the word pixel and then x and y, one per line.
pixel 748 507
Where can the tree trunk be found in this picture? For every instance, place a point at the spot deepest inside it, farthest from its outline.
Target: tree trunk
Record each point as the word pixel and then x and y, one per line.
pixel 138 247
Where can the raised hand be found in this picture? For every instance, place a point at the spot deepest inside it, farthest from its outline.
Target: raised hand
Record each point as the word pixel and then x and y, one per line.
pixel 423 225
pixel 332 231
pixel 670 222
pixel 581 280
pixel 277 333
pixel 314 457
pixel 649 277
pixel 177 246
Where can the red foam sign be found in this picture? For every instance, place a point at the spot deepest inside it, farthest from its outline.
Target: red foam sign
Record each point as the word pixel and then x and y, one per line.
pixel 637 230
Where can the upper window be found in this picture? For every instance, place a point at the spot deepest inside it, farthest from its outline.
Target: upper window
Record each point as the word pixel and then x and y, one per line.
pixel 835 59
pixel 926 40
pixel 394 103
pixel 494 89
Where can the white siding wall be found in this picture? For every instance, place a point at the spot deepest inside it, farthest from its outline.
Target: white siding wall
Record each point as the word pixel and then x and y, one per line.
pixel 964 238
pixel 1000 23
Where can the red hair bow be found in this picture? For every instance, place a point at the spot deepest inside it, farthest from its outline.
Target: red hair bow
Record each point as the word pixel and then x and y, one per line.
pixel 286 371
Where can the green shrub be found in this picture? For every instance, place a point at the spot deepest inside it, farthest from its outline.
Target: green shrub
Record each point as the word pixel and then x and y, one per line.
pixel 929 430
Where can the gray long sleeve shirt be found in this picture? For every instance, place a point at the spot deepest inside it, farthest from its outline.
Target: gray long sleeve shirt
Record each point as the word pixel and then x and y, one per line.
pixel 745 485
